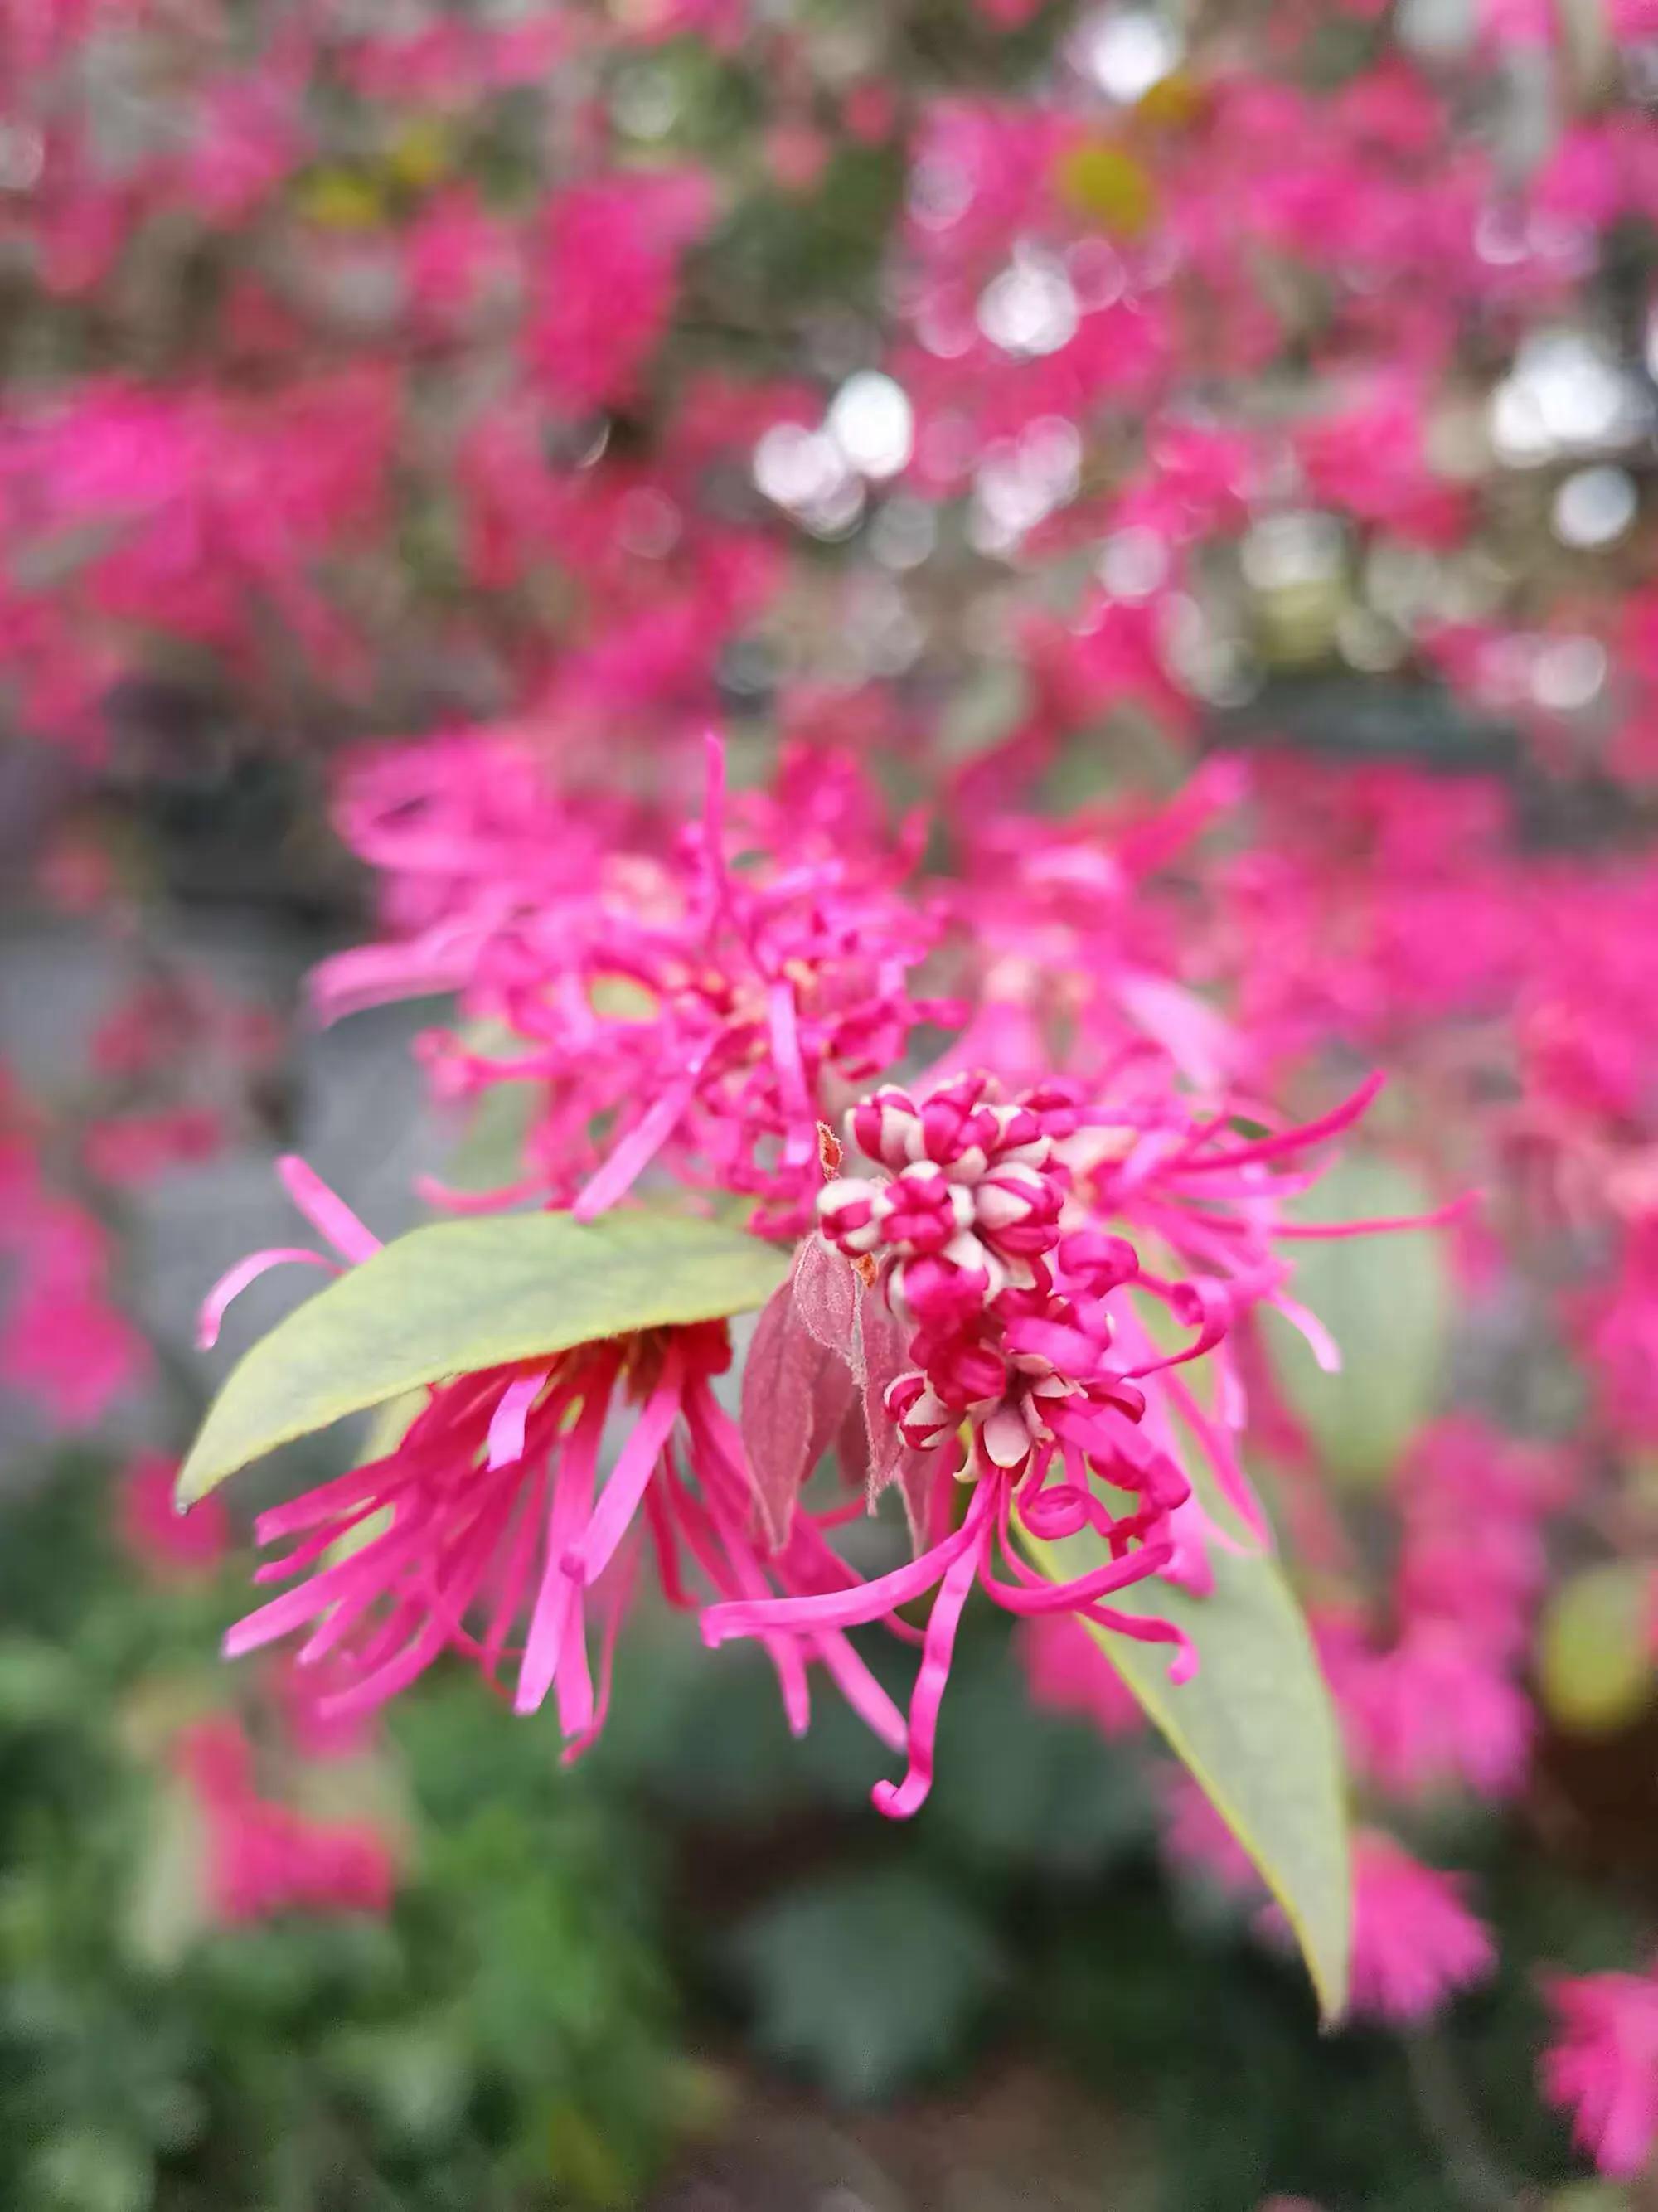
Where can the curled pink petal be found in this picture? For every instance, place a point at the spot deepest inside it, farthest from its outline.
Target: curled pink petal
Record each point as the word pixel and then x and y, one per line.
pixel 900 1801
pixel 234 1280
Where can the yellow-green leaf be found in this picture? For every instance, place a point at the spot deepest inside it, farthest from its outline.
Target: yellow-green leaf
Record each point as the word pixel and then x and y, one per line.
pixel 460 1296
pixel 1255 1729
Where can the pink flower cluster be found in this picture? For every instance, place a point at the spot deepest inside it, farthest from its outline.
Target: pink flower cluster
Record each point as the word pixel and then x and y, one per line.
pixel 1441 1702
pixel 710 993
pixel 1006 1323
pixel 262 1857
pixel 1415 1941
pixel 64 1340
pixel 705 1002
pixel 1602 2065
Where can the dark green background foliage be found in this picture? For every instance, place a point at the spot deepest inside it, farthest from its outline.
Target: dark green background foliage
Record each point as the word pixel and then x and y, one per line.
pixel 503 2039
pixel 590 1977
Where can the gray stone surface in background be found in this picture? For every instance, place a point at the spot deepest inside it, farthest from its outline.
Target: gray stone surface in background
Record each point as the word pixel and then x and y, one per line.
pixel 357 1116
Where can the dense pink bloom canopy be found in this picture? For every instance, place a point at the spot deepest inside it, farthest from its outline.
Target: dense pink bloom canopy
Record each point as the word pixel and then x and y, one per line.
pixel 1167 555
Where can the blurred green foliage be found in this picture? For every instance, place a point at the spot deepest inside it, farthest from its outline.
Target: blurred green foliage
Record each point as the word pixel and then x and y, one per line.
pixel 500 2041
pixel 515 2034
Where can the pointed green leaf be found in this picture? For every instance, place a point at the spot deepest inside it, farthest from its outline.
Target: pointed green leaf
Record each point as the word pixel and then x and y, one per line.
pixel 1389 1302
pixel 1256 1727
pixel 460 1296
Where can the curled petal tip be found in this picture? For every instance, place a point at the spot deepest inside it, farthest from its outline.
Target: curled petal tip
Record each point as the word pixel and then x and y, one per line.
pixel 897 1801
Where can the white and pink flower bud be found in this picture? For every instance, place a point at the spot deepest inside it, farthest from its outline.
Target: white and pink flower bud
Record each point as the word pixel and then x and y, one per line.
pixel 885 1127
pixel 1017 1210
pixel 920 1414
pixel 1006 1436
pixel 849 1214
pixel 1020 1136
pixel 920 1212
pixel 943 1289
pixel 1020 1421
pixel 958 1127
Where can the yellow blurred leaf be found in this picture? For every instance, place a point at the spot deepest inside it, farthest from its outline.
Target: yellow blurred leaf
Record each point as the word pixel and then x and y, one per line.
pixel 622 999
pixel 1173 103
pixel 581 2164
pixel 339 200
pixel 1594 1660
pixel 420 152
pixel 1106 183
pixel 1587 2196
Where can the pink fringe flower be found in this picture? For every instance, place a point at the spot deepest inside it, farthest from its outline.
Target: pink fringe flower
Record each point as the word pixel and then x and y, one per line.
pixel 491 1505
pixel 169 1546
pixel 1012 1391
pixel 706 1013
pixel 262 1857
pixel 1442 1701
pixel 1602 2065
pixel 1415 1942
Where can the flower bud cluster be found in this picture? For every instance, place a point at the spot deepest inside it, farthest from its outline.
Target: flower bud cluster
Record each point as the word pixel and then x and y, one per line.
pixel 964 1220
pixel 968 1198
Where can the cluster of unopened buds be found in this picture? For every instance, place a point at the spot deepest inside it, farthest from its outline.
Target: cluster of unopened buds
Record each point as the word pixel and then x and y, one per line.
pixel 970 1195
pixel 965 1229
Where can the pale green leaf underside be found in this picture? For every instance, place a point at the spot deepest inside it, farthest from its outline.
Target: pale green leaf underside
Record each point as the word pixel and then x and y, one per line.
pixel 458 1296
pixel 1255 1729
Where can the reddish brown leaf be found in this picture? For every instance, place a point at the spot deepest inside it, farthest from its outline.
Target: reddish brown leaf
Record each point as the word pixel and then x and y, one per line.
pixel 796 1391
pixel 826 1293
pixel 854 1326
pixel 883 1355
